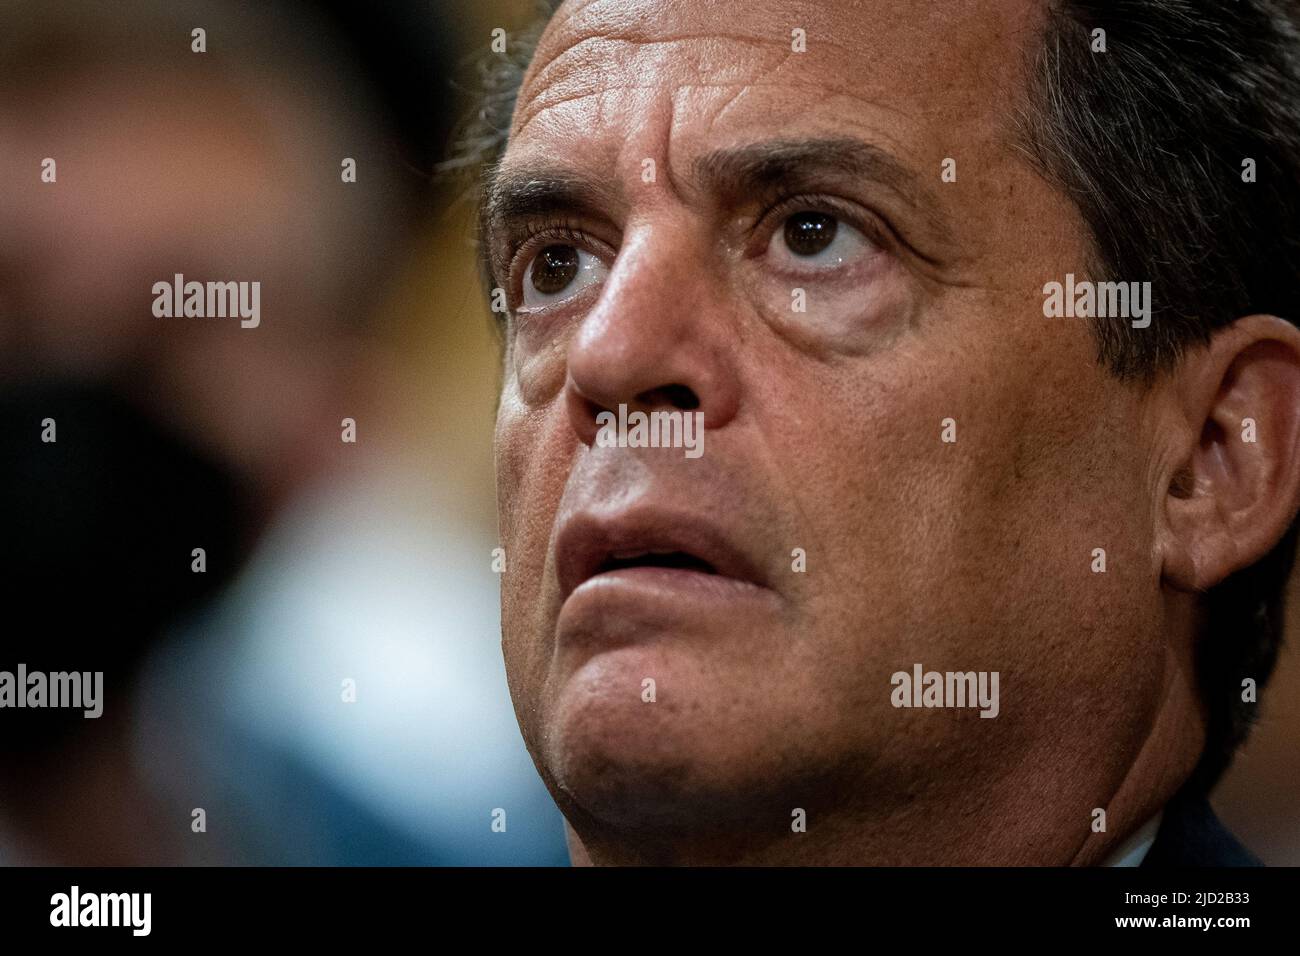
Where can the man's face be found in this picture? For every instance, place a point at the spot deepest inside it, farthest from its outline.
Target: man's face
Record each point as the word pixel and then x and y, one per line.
pixel 688 172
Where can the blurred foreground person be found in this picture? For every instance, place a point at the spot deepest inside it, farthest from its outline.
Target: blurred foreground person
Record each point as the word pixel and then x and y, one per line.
pixel 225 736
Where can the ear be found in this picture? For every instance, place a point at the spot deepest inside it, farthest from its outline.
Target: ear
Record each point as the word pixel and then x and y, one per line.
pixel 1235 485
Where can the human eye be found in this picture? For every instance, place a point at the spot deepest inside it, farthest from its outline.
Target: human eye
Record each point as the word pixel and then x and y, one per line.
pixel 555 269
pixel 810 236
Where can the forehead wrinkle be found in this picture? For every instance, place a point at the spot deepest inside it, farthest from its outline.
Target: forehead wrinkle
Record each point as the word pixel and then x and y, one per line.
pixel 537 77
pixel 578 96
pixel 743 87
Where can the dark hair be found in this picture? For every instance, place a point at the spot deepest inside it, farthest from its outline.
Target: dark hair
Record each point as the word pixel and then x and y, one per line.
pixel 1149 139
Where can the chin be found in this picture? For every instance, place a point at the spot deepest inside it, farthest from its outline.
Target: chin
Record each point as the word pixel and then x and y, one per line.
pixel 685 758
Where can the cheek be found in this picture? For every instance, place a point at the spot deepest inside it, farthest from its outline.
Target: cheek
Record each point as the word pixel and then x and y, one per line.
pixel 532 449
pixel 512 445
pixel 520 478
pixel 536 363
pixel 906 530
pixel 507 439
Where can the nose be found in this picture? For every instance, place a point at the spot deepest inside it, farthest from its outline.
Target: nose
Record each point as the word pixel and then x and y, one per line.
pixel 659 338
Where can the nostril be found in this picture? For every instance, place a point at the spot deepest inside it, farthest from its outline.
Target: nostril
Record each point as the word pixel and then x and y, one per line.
pixel 678 396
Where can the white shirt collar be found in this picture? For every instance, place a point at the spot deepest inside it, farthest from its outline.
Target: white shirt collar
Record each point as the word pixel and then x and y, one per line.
pixel 1133 850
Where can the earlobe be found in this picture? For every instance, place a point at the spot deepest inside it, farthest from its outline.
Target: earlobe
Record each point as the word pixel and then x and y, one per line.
pixel 1236 487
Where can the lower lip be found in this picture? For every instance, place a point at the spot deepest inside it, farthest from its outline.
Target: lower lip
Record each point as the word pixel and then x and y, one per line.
pixel 662 593
pixel 658 596
pixel 672 581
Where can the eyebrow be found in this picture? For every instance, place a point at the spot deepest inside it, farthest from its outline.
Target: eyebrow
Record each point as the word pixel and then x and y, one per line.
pixel 535 192
pixel 759 166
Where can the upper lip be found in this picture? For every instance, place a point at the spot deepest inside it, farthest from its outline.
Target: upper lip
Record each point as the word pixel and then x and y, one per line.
pixel 585 542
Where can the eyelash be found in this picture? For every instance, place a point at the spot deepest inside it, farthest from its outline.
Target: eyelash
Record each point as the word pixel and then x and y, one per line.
pixel 784 206
pixel 535 236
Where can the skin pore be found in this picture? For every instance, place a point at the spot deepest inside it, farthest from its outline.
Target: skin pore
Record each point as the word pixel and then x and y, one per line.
pixel 674 173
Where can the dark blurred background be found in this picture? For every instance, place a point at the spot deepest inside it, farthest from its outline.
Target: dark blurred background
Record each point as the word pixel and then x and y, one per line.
pixel 334 569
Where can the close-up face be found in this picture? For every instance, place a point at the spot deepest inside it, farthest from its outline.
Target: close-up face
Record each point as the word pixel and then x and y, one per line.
pixel 758 435
pixel 811 223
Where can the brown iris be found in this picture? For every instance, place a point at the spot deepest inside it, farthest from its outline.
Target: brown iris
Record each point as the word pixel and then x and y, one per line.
pixel 554 268
pixel 808 233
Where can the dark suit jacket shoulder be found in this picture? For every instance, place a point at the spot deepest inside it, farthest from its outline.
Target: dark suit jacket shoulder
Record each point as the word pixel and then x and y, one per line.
pixel 1191 835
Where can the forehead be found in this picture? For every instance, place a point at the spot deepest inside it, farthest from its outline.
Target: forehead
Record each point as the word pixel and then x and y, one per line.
pixel 672 78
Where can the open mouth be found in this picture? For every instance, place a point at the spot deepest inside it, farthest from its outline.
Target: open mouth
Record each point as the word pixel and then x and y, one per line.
pixel 588 546
pixel 677 560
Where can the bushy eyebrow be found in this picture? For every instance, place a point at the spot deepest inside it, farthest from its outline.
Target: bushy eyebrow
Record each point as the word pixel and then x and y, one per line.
pixel 757 168
pixel 760 166
pixel 513 196
pixel 535 192
pixel 730 174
